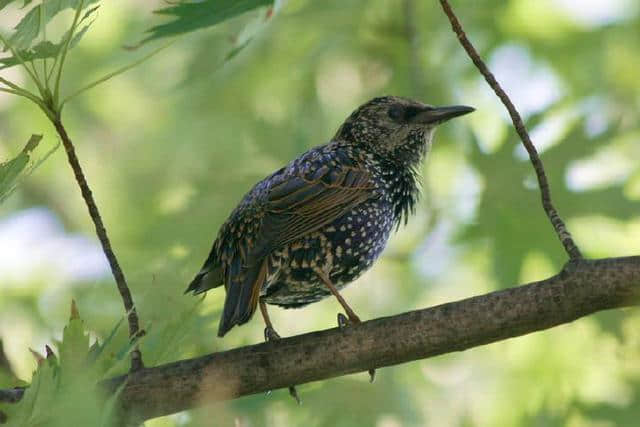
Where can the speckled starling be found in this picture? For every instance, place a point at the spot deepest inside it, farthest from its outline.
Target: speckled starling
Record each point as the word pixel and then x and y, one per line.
pixel 310 228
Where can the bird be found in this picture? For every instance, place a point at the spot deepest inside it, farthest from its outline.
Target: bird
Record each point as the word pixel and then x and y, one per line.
pixel 315 225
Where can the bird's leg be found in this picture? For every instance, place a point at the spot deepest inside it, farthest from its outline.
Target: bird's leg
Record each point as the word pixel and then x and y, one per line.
pixel 353 317
pixel 342 321
pixel 270 334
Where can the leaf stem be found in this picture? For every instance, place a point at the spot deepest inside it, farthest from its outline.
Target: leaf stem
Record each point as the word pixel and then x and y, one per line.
pixel 44 38
pixel 17 54
pixel 65 49
pixel 114 73
pixel 52 69
pixel 17 90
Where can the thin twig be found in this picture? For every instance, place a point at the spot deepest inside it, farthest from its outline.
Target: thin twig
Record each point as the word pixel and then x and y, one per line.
pixel 65 49
pixel 132 316
pixel 114 73
pixel 557 222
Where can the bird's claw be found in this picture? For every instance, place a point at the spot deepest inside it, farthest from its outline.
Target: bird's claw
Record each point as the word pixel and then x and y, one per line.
pixel 294 393
pixel 270 334
pixel 344 321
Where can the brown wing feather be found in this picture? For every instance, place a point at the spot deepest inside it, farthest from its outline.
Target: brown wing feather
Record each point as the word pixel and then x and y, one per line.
pixel 303 204
pixel 296 206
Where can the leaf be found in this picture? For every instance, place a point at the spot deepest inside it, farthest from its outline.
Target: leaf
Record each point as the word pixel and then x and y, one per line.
pixel 47 49
pixel 74 349
pixel 37 18
pixel 195 16
pixel 96 349
pixel 34 406
pixel 505 218
pixel 4 3
pixel 10 171
pixel 63 390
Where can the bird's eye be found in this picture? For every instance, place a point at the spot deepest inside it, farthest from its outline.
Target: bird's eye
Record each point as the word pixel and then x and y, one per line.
pixel 395 113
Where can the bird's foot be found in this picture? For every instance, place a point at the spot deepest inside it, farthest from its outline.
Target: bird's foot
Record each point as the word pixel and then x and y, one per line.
pixel 372 375
pixel 343 322
pixel 293 392
pixel 270 334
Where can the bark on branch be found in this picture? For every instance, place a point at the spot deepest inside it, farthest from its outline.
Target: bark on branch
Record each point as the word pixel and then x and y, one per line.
pixel 581 288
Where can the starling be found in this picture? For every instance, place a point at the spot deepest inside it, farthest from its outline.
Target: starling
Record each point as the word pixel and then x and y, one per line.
pixel 312 227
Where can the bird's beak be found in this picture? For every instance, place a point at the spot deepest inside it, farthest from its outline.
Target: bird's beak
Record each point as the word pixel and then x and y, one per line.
pixel 436 115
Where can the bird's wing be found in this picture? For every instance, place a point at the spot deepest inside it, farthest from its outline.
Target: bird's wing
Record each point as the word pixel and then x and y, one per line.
pixel 296 205
pixel 302 204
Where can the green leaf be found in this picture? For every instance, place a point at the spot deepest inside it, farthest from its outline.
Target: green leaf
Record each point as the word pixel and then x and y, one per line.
pixel 45 49
pixel 4 3
pixel 74 349
pixel 10 171
pixel 96 349
pixel 33 408
pixel 63 390
pixel 195 16
pixel 37 18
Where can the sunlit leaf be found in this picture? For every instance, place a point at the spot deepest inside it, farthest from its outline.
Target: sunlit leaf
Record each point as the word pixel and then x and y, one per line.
pixel 74 348
pixel 33 408
pixel 64 390
pixel 4 3
pixel 37 18
pixel 44 49
pixel 195 16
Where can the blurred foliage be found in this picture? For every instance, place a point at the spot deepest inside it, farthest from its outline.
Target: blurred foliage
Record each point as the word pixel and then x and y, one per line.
pixel 171 146
pixel 195 16
pixel 11 170
pixel 63 388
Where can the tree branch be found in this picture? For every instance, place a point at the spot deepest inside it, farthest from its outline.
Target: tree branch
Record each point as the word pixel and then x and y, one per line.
pixel 581 288
pixel 556 221
pixel 132 315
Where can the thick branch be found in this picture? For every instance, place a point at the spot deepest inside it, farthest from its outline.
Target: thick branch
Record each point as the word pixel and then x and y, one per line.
pixel 556 221
pixel 132 316
pixel 583 287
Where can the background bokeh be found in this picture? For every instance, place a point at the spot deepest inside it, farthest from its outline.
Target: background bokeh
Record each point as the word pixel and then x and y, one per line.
pixel 171 146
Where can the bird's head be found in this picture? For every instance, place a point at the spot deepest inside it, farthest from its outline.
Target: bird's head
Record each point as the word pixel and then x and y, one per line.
pixel 398 129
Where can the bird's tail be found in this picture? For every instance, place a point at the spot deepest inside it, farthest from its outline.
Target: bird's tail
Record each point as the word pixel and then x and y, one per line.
pixel 209 277
pixel 242 297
